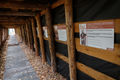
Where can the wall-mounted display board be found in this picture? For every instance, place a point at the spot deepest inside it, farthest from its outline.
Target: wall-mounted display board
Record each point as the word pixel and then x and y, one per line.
pixel 98 35
pixel 60 32
pixel 45 31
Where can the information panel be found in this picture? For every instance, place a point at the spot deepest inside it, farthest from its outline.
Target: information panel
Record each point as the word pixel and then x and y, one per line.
pixel 98 35
pixel 45 32
pixel 60 32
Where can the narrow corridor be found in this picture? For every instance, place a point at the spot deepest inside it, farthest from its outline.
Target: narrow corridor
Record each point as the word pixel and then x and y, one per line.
pixel 17 66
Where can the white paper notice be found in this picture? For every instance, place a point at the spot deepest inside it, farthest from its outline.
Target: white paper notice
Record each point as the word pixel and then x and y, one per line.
pixel 99 35
pixel 62 35
pixel 46 33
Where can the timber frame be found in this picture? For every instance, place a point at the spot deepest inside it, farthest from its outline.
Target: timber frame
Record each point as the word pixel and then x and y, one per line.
pixel 29 30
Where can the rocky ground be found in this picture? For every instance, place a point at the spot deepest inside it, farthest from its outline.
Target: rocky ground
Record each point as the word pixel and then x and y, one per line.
pixel 44 72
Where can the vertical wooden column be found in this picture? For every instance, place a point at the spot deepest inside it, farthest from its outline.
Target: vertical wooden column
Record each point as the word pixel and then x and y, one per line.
pixel 51 38
pixel 0 36
pixel 19 33
pixel 23 34
pixel 35 37
pixel 40 33
pixel 7 33
pixel 30 34
pixel 70 38
pixel 27 32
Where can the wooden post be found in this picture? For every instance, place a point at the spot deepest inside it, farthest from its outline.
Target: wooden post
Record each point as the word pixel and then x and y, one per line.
pixel 40 33
pixel 27 32
pixel 19 33
pixel 23 34
pixel 70 38
pixel 35 37
pixel 30 34
pixel 51 39
pixel 0 37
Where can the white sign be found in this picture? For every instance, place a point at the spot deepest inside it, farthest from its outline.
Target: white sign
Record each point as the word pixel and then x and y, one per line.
pixel 99 35
pixel 45 32
pixel 62 35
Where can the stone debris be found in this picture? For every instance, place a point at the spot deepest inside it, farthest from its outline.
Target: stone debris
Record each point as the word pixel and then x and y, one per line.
pixel 43 71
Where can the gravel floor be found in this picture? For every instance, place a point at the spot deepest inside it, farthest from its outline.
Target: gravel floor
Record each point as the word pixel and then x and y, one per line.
pixel 17 66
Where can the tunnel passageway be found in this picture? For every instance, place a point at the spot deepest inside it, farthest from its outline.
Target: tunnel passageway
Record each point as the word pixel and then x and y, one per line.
pixel 17 66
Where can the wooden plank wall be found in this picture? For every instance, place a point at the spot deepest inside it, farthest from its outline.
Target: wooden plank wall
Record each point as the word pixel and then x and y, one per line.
pixel 105 55
pixel 110 57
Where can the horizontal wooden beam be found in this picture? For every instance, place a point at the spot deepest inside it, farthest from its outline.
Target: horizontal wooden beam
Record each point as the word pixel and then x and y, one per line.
pixel 21 5
pixel 54 5
pixel 58 3
pixel 87 70
pixel 10 26
pixel 15 13
pixel 12 18
pixel 11 22
pixel 5 25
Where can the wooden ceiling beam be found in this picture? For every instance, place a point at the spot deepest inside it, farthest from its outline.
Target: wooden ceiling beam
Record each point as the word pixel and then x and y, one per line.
pixel 22 5
pixel 54 5
pixel 15 13
pixel 10 25
pixel 11 22
pixel 12 18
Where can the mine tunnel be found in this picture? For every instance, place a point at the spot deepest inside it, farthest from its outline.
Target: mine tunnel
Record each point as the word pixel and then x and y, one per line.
pixel 59 39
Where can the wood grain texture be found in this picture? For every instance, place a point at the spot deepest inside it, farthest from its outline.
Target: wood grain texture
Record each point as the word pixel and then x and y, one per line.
pixel 22 5
pixel 54 5
pixel 63 42
pixel 35 37
pixel 51 38
pixel 40 34
pixel 87 70
pixel 15 13
pixel 111 56
pixel 70 38
pixel 28 36
pixel 116 24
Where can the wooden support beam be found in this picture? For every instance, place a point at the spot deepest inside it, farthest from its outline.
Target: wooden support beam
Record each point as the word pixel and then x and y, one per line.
pixel 30 34
pixel 54 5
pixel 58 3
pixel 0 37
pixel 27 32
pixel 22 5
pixel 12 18
pixel 15 13
pixel 35 37
pixel 70 38
pixel 20 34
pixel 23 34
pixel 12 22
pixel 40 31
pixel 51 38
